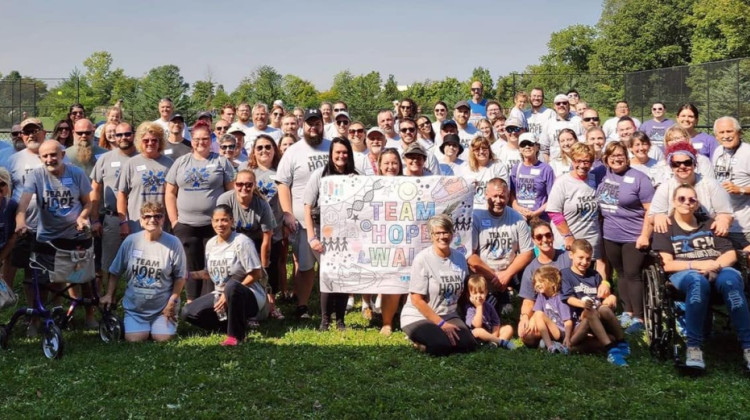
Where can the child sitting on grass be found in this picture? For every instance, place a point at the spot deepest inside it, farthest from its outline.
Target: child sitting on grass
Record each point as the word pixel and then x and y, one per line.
pixel 482 318
pixel 552 317
pixel 593 304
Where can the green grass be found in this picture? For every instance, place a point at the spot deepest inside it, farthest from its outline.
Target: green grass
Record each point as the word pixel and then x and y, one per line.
pixel 289 370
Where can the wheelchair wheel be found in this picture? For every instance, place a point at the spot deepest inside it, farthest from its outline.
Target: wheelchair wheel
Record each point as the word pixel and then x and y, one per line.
pixel 110 328
pixel 654 313
pixel 3 338
pixel 52 342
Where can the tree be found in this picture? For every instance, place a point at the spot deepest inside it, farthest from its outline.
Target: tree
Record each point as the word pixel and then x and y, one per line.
pixel 161 82
pixel 98 76
pixel 722 30
pixel 298 92
pixel 69 91
pixel 362 93
pixel 220 99
pixel 263 85
pixel 19 94
pixel 483 75
pixel 202 95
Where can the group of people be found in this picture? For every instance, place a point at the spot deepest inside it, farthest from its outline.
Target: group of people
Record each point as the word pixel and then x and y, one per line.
pixel 562 201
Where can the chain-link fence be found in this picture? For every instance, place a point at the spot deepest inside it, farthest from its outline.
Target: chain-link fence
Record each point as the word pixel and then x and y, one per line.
pixel 717 89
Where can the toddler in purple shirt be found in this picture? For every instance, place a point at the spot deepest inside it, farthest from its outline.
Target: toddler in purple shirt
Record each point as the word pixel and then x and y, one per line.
pixel 482 318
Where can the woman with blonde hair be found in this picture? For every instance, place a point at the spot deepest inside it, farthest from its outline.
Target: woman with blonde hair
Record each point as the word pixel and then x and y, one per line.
pixel 481 167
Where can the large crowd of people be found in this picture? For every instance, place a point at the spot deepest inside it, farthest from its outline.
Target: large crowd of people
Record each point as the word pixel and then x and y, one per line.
pixel 564 206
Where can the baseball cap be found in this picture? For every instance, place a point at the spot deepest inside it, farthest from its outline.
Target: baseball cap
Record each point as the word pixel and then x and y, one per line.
pixel 528 137
pixel 447 123
pixel 204 114
pixel 342 113
pixel 375 130
pixel 459 104
pixel 451 139
pixel 312 113
pixel 513 122
pixel 31 121
pixel 177 117
pixel 415 149
pixel 235 128
pixel 561 98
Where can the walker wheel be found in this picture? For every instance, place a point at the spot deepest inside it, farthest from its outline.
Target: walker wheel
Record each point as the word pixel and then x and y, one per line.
pixel 110 328
pixel 52 341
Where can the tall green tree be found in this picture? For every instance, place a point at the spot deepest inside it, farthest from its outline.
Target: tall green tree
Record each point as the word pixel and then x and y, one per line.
pixel 299 92
pixel 722 30
pixel 263 85
pixel 161 82
pixel 202 95
pixel 362 93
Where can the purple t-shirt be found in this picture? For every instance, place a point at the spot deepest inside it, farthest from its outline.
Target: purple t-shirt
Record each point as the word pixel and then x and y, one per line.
pixel 554 308
pixel 655 131
pixel 705 144
pixel 490 318
pixel 561 260
pixel 532 184
pixel 621 199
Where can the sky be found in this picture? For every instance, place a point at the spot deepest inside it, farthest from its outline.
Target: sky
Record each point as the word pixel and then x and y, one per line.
pixel 226 40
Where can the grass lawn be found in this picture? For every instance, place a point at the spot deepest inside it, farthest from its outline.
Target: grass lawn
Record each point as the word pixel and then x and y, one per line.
pixel 289 370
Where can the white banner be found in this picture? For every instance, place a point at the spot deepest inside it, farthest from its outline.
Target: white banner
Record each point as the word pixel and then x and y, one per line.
pixel 373 226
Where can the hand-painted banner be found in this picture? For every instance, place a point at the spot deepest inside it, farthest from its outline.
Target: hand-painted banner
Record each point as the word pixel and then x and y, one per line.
pixel 373 226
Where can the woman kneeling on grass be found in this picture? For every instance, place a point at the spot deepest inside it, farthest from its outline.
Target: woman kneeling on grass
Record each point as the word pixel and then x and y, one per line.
pixel 430 317
pixel 234 267
pixel 154 264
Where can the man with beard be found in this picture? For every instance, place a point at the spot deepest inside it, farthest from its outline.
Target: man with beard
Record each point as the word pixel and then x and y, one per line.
pixel 477 103
pixel 408 129
pixel 104 195
pixel 589 119
pixel 298 162
pixel 466 130
pixel 243 117
pixel 176 145
pixel 84 153
pixel 260 126
pixel 539 115
pixel 548 141
pixel 61 194
pixel 387 124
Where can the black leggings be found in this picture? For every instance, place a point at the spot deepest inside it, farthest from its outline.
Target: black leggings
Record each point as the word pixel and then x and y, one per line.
pixel 333 303
pixel 273 267
pixel 241 306
pixel 627 261
pixel 437 343
pixel 194 240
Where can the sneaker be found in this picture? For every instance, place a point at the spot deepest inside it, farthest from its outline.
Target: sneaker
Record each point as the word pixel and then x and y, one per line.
pixel 557 348
pixel 350 303
pixel 615 356
pixel 542 345
pixel 636 327
pixel 624 348
pixel 625 319
pixel 694 358
pixel 229 342
pixel 386 331
pixel 746 355
pixel 276 314
pixel 253 324
pixel 367 313
pixel 507 344
pixel 340 325
pixel 324 325
pixel 302 312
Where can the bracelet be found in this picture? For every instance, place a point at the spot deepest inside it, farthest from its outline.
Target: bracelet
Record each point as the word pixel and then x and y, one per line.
pixel 441 323
pixel 314 238
pixel 568 235
pixel 607 283
pixel 123 222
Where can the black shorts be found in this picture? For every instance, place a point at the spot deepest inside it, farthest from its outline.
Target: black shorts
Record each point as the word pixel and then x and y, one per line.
pixel 19 256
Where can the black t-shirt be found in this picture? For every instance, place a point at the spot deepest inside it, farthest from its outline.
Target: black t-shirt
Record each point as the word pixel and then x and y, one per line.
pixel 695 245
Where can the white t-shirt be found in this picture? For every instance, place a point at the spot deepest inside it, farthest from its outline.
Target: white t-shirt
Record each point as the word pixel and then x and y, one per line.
pixel 537 121
pixel 548 140
pixel 480 178
pixel 165 126
pixel 252 133
pixel 610 128
pixel 735 167
pixel 298 163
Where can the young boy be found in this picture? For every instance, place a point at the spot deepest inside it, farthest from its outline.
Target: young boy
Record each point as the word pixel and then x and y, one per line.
pixel 593 304
pixel 482 318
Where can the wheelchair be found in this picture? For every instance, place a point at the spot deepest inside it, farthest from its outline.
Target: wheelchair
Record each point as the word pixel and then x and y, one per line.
pixel 66 268
pixel 661 304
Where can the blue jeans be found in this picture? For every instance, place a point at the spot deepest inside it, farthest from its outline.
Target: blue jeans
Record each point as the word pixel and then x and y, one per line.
pixel 697 290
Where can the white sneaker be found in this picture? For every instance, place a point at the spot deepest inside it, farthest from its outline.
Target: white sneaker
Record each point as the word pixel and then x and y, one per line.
pixel 694 358
pixel 746 354
pixel 376 306
pixel 350 303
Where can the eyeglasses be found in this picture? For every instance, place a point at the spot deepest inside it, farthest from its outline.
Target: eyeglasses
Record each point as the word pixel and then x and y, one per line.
pixel 540 236
pixel 76 112
pixel 241 185
pixel 126 134
pixel 442 233
pixel 440 110
pixel 682 199
pixel 147 141
pixel 561 103
pixel 227 147
pixel 589 119
pixel 657 109
pixel 63 128
pixel 152 216
pixel 356 131
pixel 84 133
pixel 342 122
pixel 30 132
pixel 263 147
pixel 408 130
pixel 525 144
pixel 480 148
pixel 222 128
pixel 582 162
pixel 405 107
pixel 476 89
pixel 425 124
pixel 686 163
pixel 17 133
pixel 512 129
pixel 339 109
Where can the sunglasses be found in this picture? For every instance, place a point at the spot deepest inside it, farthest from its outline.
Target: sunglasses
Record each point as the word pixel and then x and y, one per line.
pixel 356 131
pixel 589 119
pixel 152 216
pixel 540 236
pixel 126 134
pixel 657 109
pixel 405 107
pixel 339 109
pixel 682 199
pixel 277 114
pixel 440 110
pixel 263 147
pixel 476 89
pixel 342 122
pixel 18 133
pixel 525 144
pixel 425 124
pixel 408 130
pixel 686 163
pixel 224 128
pixel 241 185
pixel 84 133
pixel 63 128
pixel 511 129
pixel 561 103
pixel 147 141
pixel 30 132
pixel 228 147
pixel 76 112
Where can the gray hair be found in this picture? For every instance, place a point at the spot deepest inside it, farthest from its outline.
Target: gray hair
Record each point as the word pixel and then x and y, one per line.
pixel 260 105
pixel 735 123
pixel 228 138
pixel 440 221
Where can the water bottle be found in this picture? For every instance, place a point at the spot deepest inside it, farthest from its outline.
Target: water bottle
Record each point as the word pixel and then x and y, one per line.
pixel 222 315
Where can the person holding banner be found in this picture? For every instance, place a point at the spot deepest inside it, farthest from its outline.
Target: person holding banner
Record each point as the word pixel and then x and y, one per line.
pixel 340 162
pixel 430 317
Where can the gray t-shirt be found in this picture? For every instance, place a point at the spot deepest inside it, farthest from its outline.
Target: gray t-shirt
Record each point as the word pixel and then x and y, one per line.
pixel 296 166
pixel 576 200
pixel 440 280
pixel 20 164
pixel 72 154
pixel 233 260
pixel 267 187
pixel 106 172
pixel 142 180
pixel 712 197
pixel 177 150
pixel 200 182
pixel 735 167
pixel 58 200
pixel 498 240
pixel 253 220
pixel 151 268
pixel 480 178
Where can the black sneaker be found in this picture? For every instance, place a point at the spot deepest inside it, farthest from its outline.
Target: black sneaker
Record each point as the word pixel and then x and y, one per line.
pixel 324 325
pixel 302 312
pixel 340 325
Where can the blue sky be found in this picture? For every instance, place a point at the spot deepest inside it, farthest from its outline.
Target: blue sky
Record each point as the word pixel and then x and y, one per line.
pixel 413 40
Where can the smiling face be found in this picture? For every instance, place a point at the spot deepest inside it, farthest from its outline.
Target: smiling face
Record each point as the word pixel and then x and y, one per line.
pixel 461 115
pixel 596 139
pixel 263 150
pixel 686 118
pixel 497 198
pixel 625 130
pixel 260 117
pixel 244 186
pixel 477 90
pixel 165 110
pixel 201 141
pixel 385 122
pixel 285 143
pixel 477 294
pixel 640 149
pixel 657 111
pixel 618 160
pixel 414 164
pixel 339 156
pixel 544 239
pixel 375 142
pixel 152 222
pixel 581 260
pixel 51 155
pixel 581 165
pixel 493 111
pixel 441 238
pixel 289 125
pixel 389 164
pixel 566 140
pixel 408 132
pixel 222 223
pixel 727 134
pixel 537 98
pixel 441 112
pixel 243 113
pixel 481 151
pixel 562 108
pixel 486 129
pixel 150 145
pixel 683 167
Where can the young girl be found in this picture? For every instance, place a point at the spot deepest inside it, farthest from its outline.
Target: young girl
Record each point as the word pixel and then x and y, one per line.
pixel 593 304
pixel 552 317
pixel 482 318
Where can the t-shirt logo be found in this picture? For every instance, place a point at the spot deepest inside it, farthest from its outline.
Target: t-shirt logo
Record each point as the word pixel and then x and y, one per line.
pixel 267 189
pixel 59 202
pixel 153 182
pixel 197 178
